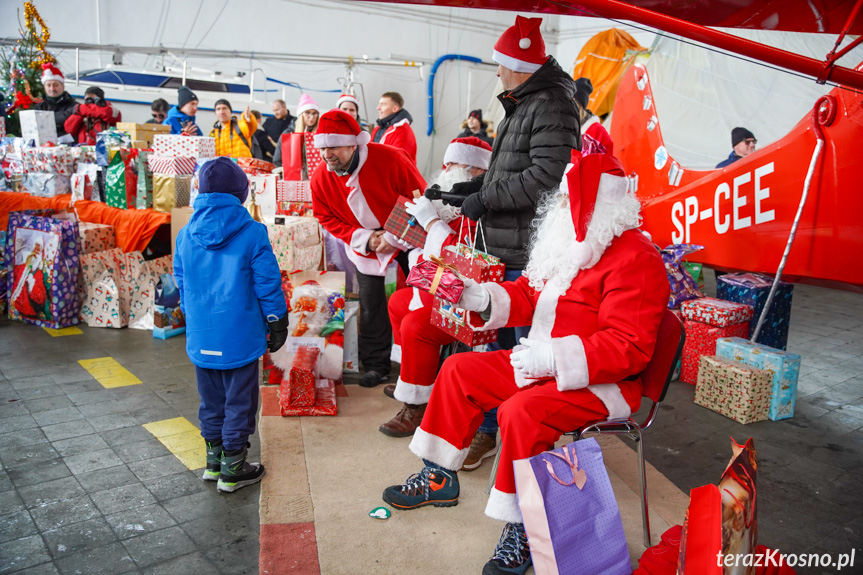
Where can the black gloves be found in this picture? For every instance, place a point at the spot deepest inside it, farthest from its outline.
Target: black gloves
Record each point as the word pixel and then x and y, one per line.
pixel 473 208
pixel 466 188
pixel 278 334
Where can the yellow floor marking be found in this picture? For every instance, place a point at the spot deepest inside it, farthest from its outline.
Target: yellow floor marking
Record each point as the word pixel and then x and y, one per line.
pixel 108 372
pixel 182 438
pixel 63 331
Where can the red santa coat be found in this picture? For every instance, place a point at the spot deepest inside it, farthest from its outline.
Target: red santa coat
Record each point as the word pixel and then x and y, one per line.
pixel 602 328
pixel 399 135
pixel 353 206
pixel 90 119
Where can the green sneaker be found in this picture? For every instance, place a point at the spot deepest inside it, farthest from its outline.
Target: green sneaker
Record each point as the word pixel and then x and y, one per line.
pixel 236 472
pixel 214 461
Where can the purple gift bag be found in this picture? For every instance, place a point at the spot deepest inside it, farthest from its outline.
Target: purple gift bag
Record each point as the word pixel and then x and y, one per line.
pixel 41 256
pixel 570 513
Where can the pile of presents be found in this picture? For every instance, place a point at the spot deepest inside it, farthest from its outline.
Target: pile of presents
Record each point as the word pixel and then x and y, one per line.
pixel 742 379
pixel 60 272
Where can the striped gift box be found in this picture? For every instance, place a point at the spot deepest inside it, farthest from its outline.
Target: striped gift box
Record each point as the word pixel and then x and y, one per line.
pixel 171 165
pixel 176 145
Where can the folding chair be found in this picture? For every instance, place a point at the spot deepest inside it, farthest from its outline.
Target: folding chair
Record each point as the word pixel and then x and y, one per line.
pixel 655 378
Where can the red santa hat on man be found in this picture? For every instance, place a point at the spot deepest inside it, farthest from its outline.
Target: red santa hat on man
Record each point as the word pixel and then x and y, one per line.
pixel 469 152
pixel 337 128
pixel 348 98
pixel 521 48
pixel 587 178
pixel 52 72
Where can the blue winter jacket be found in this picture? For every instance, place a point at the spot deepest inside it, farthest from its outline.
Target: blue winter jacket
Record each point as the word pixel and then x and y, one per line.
pixel 229 282
pixel 176 119
pixel 732 157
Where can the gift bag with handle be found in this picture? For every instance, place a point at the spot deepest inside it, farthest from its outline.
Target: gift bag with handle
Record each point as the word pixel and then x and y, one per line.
pixel 570 513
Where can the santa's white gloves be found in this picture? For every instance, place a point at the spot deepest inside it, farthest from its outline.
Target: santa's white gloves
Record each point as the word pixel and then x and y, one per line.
pixel 535 360
pixel 423 210
pixel 474 297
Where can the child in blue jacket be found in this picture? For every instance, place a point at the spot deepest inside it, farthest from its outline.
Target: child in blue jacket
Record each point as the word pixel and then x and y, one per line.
pixel 230 290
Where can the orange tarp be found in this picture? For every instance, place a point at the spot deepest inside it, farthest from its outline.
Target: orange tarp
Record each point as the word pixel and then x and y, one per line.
pixel 133 228
pixel 603 59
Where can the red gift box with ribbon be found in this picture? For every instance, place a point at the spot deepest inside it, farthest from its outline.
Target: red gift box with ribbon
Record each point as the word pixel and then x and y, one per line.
pixel 438 279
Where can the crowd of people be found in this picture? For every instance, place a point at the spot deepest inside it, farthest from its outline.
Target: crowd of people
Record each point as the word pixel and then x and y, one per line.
pixel 577 312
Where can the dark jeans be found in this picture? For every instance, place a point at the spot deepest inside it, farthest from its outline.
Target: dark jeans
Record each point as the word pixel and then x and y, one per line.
pixel 375 339
pixel 229 404
pixel 507 338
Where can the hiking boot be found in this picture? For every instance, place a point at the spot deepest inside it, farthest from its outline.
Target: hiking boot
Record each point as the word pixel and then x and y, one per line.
pixel 236 472
pixel 483 445
pixel 512 554
pixel 372 378
pixel 390 390
pixel 431 486
pixel 214 461
pixel 405 422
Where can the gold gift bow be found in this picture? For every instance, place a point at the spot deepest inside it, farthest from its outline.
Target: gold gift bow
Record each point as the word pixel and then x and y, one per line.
pixel 439 273
pixel 579 476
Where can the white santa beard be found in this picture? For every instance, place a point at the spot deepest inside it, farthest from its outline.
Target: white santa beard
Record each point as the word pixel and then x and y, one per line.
pixel 446 179
pixel 554 252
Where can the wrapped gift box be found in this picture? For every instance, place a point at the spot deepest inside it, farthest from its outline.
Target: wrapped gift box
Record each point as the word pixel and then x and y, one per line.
pixel 298 390
pixel 733 389
pixel 294 191
pixel 404 226
pixel 99 290
pixel 325 402
pixel 261 166
pixel 312 155
pixel 108 142
pixel 144 189
pixel 701 340
pixel 784 368
pixel 683 286
pixel 298 209
pixel 46 185
pixel 143 134
pixel 716 312
pixel 38 126
pixel 297 243
pixel 753 289
pixel 171 165
pixel 453 320
pixel 82 187
pixel 61 160
pixel 143 290
pixel 171 192
pixel 95 237
pixel 187 146
pixel 438 280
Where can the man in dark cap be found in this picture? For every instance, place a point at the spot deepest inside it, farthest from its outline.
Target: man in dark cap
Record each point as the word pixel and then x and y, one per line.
pixel 474 126
pixel 231 293
pixel 181 117
pixel 93 116
pixel 742 144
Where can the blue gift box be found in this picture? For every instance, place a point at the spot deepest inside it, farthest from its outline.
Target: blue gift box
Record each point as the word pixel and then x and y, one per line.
pixel 753 289
pixel 784 365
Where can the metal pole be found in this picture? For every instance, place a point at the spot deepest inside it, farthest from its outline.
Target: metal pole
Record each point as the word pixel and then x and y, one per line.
pixel 184 72
pixel 77 65
pixel 469 78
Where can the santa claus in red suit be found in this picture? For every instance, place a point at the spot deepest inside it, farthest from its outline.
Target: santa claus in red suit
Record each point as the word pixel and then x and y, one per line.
pixel 29 293
pixel 353 193
pixel 416 343
pixel 594 292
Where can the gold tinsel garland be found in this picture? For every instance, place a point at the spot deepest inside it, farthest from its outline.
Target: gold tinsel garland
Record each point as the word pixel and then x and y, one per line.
pixel 31 14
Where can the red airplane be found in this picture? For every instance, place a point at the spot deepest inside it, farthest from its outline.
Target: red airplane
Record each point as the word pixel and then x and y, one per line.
pixel 745 212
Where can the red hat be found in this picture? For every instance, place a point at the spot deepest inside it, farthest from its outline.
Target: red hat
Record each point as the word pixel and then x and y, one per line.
pixel 348 98
pixel 468 151
pixel 521 48
pixel 589 177
pixel 52 72
pixel 337 128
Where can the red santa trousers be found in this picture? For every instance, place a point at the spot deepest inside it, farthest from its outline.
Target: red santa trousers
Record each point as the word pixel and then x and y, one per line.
pixel 416 346
pixel 531 419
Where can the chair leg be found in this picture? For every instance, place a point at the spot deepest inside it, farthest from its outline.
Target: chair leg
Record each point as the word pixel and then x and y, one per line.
pixel 642 476
pixel 493 475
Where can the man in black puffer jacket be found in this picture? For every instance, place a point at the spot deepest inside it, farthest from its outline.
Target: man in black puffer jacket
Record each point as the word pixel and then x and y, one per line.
pixel 532 147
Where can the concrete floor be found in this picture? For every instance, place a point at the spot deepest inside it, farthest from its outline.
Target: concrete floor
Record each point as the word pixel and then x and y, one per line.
pixel 84 488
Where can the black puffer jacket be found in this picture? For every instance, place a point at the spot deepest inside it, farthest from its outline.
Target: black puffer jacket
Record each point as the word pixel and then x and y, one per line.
pixel 63 107
pixel 532 148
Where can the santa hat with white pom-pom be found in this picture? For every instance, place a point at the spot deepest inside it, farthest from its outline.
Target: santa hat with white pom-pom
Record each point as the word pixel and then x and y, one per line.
pixel 521 48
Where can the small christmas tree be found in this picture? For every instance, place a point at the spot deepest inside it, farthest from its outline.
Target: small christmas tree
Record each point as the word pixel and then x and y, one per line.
pixel 21 68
